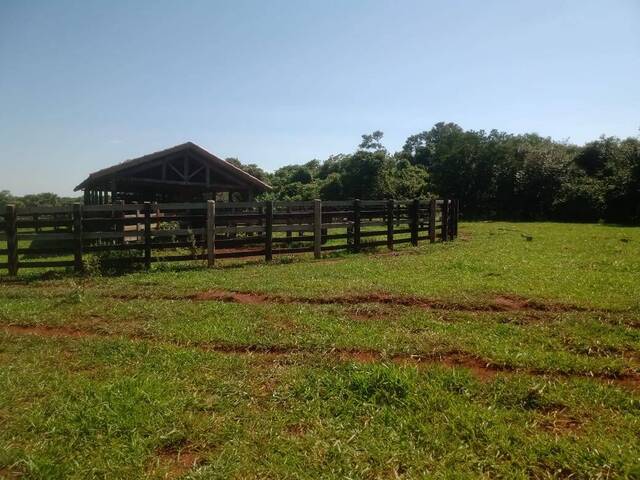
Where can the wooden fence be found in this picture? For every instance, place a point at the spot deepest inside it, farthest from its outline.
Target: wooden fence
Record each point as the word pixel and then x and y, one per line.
pixel 38 237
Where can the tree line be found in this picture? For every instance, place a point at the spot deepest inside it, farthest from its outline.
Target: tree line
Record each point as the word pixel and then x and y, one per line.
pixel 495 175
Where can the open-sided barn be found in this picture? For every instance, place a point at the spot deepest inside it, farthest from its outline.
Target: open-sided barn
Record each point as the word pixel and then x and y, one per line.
pixel 184 173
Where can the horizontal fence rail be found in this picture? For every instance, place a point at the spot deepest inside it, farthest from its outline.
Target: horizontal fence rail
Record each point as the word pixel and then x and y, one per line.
pixel 38 237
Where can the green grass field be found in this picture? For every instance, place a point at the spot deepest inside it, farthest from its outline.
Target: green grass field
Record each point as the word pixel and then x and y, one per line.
pixel 513 352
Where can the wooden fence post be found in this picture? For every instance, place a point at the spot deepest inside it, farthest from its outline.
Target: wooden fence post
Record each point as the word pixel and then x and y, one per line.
pixel 77 234
pixel 456 217
pixel 390 207
pixel 415 215
pixel 289 232
pixel 445 220
pixel 211 233
pixel 356 225
pixel 268 230
pixel 433 210
pixel 12 239
pixel 147 235
pixel 317 228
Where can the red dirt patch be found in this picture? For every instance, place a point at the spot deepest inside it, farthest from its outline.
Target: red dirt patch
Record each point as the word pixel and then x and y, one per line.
pixel 173 463
pixel 482 369
pixel 234 297
pixel 502 303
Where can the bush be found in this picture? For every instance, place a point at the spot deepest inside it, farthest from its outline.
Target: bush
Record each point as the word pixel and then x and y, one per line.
pixel 113 262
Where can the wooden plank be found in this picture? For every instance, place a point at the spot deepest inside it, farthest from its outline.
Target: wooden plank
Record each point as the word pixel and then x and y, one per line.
pixel 329 248
pixel 44 236
pixel 285 251
pixel 285 204
pixel 226 205
pixel 47 264
pixel 268 231
pixel 241 254
pixel 39 224
pixel 337 203
pixel 77 233
pixel 211 232
pixel 183 206
pixel 317 228
pixel 377 233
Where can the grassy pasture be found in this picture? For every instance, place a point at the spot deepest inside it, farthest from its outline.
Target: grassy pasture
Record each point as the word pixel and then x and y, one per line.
pixel 512 352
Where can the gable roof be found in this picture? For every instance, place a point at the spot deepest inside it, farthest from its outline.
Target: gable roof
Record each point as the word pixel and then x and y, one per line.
pixel 183 147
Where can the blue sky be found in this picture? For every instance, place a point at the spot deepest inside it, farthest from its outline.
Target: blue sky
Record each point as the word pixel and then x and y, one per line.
pixel 85 84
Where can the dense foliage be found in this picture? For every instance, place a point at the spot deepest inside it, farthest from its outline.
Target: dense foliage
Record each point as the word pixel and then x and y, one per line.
pixel 495 175
pixel 46 199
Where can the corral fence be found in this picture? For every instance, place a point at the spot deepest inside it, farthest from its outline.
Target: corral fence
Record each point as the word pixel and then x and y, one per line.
pixel 44 237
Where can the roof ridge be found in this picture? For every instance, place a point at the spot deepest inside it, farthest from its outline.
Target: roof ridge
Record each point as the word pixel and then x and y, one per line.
pixel 160 153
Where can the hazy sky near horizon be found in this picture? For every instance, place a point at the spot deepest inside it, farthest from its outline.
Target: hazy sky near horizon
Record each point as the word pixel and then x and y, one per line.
pixel 86 84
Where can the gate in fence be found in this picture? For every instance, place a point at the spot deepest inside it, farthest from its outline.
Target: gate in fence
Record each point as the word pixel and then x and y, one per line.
pixel 39 237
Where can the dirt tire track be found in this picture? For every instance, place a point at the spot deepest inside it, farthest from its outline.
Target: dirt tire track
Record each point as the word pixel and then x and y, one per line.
pixel 499 303
pixel 482 369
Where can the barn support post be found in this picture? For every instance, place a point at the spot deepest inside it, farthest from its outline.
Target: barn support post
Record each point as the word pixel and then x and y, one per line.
pixel 211 233
pixel 147 235
pixel 77 238
pixel 356 225
pixel 317 228
pixel 12 239
pixel 268 230
pixel 445 220
pixel 390 208
pixel 433 210
pixel 415 215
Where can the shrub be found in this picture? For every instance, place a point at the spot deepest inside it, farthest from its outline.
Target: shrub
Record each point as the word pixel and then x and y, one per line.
pixel 113 262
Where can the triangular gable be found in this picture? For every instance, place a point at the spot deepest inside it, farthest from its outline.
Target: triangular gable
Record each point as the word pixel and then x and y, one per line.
pixel 187 162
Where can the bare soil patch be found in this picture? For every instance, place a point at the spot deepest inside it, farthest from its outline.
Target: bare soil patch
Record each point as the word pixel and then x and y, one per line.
pixel 482 369
pixel 501 303
pixel 172 463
